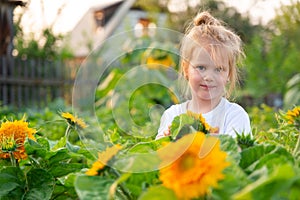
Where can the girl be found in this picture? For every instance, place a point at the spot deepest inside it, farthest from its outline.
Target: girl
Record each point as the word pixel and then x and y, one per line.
pixel 209 54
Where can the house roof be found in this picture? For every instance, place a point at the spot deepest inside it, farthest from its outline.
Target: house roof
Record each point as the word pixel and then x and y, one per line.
pixel 105 4
pixel 87 33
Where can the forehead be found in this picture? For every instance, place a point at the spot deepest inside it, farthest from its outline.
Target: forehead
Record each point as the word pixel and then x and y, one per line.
pixel 214 55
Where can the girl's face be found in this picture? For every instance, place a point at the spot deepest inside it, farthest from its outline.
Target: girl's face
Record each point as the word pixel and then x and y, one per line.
pixel 207 77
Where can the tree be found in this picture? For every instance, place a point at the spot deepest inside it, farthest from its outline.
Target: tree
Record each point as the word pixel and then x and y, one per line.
pixel 46 45
pixel 273 55
pixel 178 20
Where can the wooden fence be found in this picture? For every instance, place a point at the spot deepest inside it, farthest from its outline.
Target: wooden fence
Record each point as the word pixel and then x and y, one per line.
pixel 33 82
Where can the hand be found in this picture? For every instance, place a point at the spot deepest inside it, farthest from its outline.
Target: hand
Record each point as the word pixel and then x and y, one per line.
pixel 167 132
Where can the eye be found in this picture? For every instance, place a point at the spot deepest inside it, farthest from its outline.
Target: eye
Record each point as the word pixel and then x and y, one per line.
pixel 219 69
pixel 200 68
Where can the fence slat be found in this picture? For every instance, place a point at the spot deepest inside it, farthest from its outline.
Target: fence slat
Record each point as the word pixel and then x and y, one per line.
pixel 4 66
pixel 32 82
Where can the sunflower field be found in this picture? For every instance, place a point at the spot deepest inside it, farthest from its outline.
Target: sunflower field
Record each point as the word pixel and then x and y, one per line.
pixel 104 147
pixel 55 153
pixel 101 144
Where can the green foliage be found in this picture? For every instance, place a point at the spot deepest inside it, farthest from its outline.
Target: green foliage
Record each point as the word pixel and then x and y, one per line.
pixel 244 140
pixel 185 124
pixel 279 133
pixel 86 192
pixel 286 23
pixel 45 120
pixel 241 24
pixel 39 175
pixel 262 118
pixel 133 108
pixel 157 193
pixel 46 45
pixel 280 180
pixel 55 169
pixel 56 164
pixel 292 96
pixel 272 57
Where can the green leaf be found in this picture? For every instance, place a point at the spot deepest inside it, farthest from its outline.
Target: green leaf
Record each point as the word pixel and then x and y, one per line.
pixel 60 155
pixel 12 183
pixel 61 143
pixel 230 145
pixel 137 162
pixel 40 184
pixel 142 147
pixel 235 179
pixel 65 187
pixel 158 193
pixel 181 125
pixel 92 187
pixel 44 143
pixel 139 182
pixel 244 140
pixel 145 147
pixel 114 187
pixel 268 186
pixel 72 148
pixel 258 156
pixel 34 148
pixel 108 84
pixel 294 192
pixel 62 169
pixel 4 163
pixel 86 153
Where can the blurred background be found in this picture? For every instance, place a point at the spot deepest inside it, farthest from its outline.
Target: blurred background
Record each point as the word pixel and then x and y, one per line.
pixel 44 43
pixel 113 65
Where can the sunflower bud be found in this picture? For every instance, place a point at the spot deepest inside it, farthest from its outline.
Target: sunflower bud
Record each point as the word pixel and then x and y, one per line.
pixel 73 121
pixel 8 144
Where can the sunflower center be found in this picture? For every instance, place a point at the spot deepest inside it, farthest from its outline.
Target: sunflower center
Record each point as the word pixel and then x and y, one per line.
pixel 187 162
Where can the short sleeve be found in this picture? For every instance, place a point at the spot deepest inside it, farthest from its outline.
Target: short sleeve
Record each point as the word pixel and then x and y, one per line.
pixel 237 121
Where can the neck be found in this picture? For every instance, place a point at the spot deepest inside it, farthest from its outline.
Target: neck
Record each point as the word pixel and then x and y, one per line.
pixel 203 106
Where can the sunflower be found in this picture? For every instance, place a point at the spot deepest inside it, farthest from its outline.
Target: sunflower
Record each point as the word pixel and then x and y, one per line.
pixel 206 127
pixel 194 166
pixel 73 120
pixel 103 159
pixel 165 61
pixel 12 138
pixel 293 116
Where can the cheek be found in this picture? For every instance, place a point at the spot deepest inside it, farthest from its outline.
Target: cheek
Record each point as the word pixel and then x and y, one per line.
pixel 223 80
pixel 194 77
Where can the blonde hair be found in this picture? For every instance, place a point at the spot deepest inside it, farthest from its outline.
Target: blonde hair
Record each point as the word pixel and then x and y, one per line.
pixel 208 32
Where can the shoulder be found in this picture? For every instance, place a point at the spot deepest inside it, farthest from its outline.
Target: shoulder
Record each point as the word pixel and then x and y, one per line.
pixel 234 108
pixel 234 111
pixel 236 119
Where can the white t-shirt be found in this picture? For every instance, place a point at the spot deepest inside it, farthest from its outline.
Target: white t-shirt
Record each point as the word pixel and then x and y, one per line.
pixel 228 117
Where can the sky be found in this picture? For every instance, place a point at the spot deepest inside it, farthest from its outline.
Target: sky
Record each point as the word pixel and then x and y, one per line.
pixel 262 10
pixel 72 11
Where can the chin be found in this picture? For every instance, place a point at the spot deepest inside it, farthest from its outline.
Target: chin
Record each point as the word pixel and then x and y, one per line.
pixel 208 97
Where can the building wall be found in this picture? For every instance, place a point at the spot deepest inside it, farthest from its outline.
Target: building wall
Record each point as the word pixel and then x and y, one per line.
pixel 85 36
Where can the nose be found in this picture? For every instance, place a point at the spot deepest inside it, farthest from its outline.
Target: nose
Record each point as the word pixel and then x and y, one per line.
pixel 207 76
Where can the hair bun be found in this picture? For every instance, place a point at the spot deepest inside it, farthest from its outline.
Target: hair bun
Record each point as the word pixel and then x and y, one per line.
pixel 205 18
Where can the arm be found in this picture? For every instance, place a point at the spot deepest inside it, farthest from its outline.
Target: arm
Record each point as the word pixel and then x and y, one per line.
pixel 164 129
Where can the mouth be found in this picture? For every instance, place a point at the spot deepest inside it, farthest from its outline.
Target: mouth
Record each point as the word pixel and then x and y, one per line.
pixel 207 87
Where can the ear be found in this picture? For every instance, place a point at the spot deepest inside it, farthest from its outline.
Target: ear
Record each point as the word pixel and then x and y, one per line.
pixel 185 69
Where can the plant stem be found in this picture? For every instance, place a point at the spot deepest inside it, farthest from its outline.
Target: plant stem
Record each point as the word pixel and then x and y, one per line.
pixel 12 159
pixel 296 149
pixel 67 131
pixel 124 192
